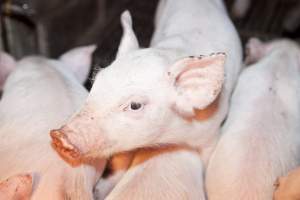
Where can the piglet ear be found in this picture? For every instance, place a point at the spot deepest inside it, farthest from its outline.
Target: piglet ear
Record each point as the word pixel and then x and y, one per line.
pixel 7 65
pixel 197 82
pixel 79 61
pixel 129 41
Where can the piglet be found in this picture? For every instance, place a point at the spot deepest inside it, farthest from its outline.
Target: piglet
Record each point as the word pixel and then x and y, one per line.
pixel 39 95
pixel 261 138
pixel 165 94
pixel 18 187
pixel 288 187
pixel 176 168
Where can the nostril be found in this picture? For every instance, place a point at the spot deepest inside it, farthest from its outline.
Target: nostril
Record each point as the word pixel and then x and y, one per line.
pixel 60 140
pixel 65 148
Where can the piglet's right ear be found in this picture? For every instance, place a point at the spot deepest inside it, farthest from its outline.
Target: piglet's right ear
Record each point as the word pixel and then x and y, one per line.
pixel 7 65
pixel 197 82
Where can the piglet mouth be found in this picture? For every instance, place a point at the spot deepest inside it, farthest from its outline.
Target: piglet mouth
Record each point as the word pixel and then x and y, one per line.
pixel 62 145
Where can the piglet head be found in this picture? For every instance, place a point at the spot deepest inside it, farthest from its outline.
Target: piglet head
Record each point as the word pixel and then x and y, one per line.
pixel 142 99
pixel 127 112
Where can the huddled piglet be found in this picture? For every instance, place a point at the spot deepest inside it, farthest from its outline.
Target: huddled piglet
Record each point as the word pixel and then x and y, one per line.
pixel 176 92
pixel 175 168
pixel 261 138
pixel 38 96
pixel 18 187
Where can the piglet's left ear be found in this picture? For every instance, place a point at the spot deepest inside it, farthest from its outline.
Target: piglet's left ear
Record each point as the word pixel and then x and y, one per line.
pixel 197 82
pixel 79 61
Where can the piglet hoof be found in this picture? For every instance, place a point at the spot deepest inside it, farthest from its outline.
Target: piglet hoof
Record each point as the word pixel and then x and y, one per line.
pixel 65 148
pixel 18 187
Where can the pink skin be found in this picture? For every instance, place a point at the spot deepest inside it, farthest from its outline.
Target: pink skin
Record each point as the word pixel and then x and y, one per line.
pixel 69 141
pixel 288 187
pixel 153 96
pixel 181 100
pixel 18 187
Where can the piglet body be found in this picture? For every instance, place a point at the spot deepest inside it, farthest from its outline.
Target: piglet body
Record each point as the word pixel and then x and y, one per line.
pixel 260 139
pixel 38 96
pixel 164 173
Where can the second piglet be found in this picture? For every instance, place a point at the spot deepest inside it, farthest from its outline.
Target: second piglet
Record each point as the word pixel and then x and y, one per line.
pixel 261 137
pixel 38 96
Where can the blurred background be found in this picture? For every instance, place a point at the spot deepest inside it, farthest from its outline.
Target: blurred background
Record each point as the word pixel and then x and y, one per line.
pixel 54 26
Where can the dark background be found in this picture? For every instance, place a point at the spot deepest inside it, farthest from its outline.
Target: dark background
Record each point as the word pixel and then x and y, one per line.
pixel 54 26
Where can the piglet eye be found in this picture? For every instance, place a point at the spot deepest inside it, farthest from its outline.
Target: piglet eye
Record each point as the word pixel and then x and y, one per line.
pixel 135 106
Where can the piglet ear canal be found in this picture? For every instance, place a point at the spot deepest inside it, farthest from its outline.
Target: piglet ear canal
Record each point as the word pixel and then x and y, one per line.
pixel 7 65
pixel 129 41
pixel 79 61
pixel 197 82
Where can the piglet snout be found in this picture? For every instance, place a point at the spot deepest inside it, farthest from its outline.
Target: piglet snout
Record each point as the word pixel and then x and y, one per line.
pixel 68 151
pixel 76 141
